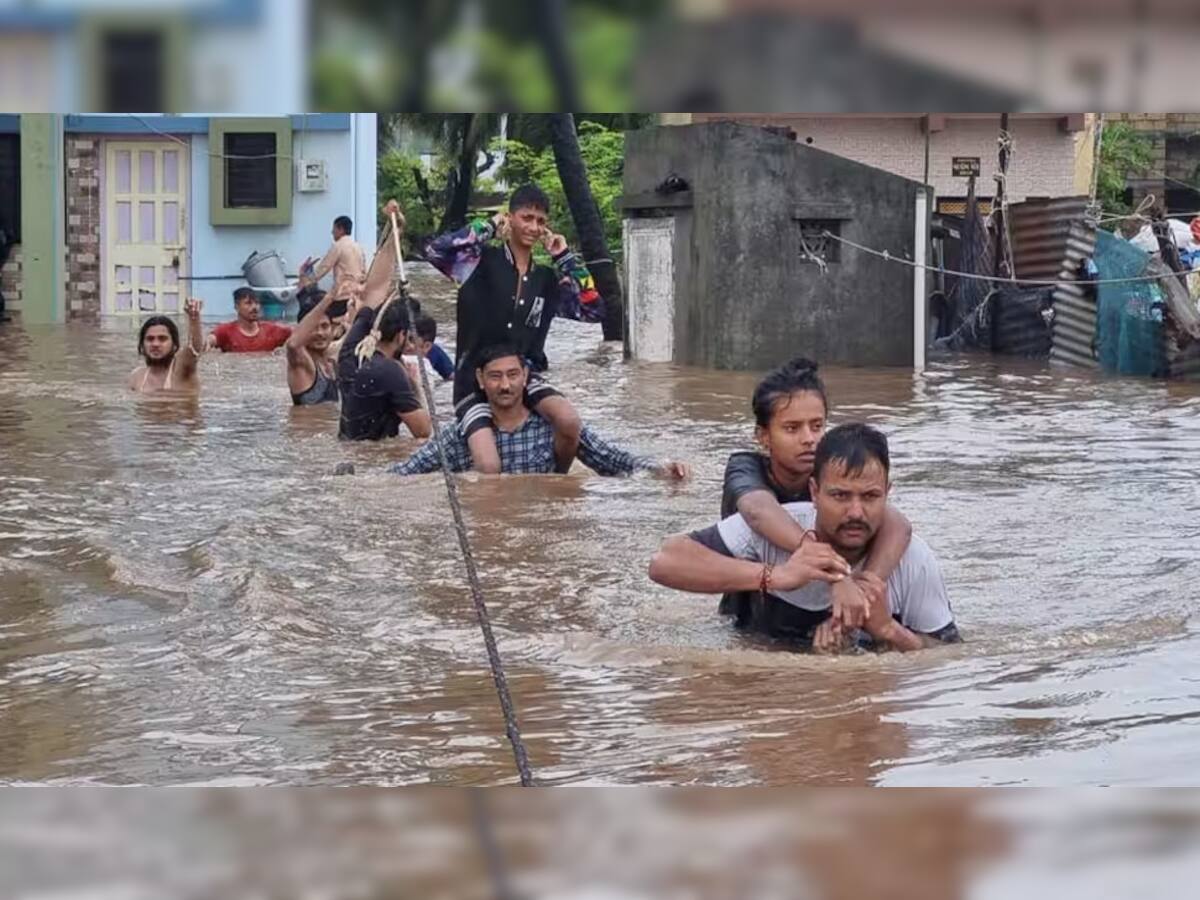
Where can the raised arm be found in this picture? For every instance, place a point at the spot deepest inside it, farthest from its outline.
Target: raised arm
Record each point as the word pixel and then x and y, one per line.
pixel 324 267
pixel 189 354
pixel 378 284
pixel 577 294
pixel 307 327
pixel 456 254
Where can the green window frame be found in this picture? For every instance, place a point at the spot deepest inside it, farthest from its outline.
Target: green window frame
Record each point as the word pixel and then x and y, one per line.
pixel 221 214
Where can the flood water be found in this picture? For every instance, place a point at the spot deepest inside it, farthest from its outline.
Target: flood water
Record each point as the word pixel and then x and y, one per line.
pixel 187 596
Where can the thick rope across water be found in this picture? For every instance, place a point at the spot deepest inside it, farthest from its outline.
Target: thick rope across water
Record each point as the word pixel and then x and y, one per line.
pixel 512 729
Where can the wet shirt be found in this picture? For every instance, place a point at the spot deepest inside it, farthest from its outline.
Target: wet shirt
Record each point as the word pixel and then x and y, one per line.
pixel 916 590
pixel 499 305
pixel 347 262
pixel 527 450
pixel 230 339
pixel 375 394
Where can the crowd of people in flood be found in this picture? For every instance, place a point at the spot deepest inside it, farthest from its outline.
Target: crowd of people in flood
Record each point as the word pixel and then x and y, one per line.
pixel 807 550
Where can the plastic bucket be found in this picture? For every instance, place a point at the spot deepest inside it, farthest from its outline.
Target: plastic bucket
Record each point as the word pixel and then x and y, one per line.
pixel 264 270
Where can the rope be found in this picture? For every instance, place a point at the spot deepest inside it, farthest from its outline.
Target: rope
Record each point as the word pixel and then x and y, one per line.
pixel 1033 282
pixel 812 257
pixel 512 729
pixel 216 155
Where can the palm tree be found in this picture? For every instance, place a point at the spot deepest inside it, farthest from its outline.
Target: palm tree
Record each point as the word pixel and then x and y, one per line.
pixel 588 225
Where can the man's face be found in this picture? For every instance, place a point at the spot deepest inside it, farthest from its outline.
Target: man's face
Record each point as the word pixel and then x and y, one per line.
pixel 850 506
pixel 795 429
pixel 421 346
pixel 337 232
pixel 503 380
pixel 249 309
pixel 527 225
pixel 319 342
pixel 157 345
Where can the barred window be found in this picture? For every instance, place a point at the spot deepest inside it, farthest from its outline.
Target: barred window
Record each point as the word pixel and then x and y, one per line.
pixel 250 170
pixel 813 239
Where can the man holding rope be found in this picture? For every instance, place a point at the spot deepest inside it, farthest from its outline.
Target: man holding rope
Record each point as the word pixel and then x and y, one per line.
pixel 504 297
pixel 378 392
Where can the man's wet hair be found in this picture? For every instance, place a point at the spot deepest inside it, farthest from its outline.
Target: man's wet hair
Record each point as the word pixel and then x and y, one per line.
pixel 498 351
pixel 799 374
pixel 310 302
pixel 529 195
pixel 243 293
pixel 395 320
pixel 345 224
pixel 158 320
pixel 853 445
pixel 426 328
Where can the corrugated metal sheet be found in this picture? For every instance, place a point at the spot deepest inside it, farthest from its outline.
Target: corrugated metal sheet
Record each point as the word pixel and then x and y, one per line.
pixel 1050 239
pixel 1018 326
pixel 1074 331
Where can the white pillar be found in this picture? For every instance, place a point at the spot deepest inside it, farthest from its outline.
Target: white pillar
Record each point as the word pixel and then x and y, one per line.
pixel 920 256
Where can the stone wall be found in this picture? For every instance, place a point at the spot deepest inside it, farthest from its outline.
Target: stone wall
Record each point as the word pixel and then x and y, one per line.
pixel 10 281
pixel 82 231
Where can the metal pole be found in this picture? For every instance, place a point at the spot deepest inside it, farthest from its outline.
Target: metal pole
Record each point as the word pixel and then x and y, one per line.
pixel 920 252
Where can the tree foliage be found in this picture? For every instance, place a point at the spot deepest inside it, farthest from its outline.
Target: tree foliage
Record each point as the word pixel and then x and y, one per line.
pixel 1124 151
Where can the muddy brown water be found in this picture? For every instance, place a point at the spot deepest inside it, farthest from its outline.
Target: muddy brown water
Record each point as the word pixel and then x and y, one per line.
pixel 188 597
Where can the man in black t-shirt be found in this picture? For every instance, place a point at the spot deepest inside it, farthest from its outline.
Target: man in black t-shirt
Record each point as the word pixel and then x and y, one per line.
pixel 378 394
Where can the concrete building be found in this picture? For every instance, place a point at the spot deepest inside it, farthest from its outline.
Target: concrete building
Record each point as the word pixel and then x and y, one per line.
pixel 116 215
pixel 1051 156
pixel 722 223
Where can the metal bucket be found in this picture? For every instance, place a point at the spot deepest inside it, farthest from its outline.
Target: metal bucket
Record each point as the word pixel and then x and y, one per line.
pixel 264 270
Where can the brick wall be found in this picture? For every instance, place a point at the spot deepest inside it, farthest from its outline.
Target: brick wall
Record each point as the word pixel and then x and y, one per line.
pixel 1042 164
pixel 10 281
pixel 82 195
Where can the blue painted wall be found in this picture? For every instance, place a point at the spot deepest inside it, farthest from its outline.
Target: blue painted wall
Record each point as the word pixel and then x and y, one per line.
pixel 220 250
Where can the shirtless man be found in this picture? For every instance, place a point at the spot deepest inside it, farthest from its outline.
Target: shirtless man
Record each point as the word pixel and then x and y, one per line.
pixel 168 367
pixel 311 368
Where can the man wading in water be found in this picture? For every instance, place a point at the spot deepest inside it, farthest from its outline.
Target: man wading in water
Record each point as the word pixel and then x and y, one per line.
pixel 849 488
pixel 791 412
pixel 169 368
pixel 311 374
pixel 247 333
pixel 524 440
pixel 379 393
pixel 504 298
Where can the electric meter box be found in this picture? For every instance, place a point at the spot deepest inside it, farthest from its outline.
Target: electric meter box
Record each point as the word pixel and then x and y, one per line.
pixel 311 175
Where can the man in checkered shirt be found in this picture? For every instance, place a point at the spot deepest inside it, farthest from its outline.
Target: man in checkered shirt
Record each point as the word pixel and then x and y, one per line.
pixel 525 440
